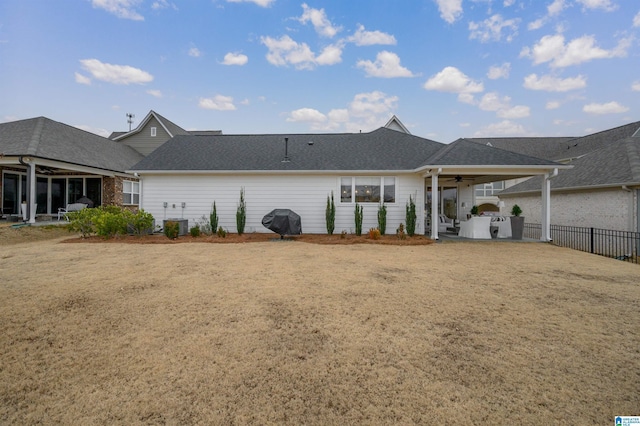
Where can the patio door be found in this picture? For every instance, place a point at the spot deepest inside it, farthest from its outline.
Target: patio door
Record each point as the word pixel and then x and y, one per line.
pixel 10 188
pixel 42 192
pixel 58 194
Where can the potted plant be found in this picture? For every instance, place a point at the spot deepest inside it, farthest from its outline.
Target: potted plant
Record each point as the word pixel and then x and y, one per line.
pixel 517 222
pixel 474 211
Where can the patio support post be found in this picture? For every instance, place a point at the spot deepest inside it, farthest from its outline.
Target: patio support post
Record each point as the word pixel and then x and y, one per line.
pixel 435 197
pixel 545 232
pixel 31 192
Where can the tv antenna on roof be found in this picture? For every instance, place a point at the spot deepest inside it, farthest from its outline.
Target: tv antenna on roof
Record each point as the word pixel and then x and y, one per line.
pixel 130 118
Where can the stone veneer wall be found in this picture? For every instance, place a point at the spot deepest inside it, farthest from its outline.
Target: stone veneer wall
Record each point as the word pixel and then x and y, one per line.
pixel 612 208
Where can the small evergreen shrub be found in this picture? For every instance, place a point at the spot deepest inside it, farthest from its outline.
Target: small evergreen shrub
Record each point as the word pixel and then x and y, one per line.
pixel 139 223
pixel 516 210
pixel 358 219
pixel 343 234
pixel 241 213
pixel 83 221
pixel 411 217
pixel 221 232
pixel 110 223
pixel 204 225
pixel 474 210
pixel 213 218
pixel 330 214
pixel 382 219
pixel 400 232
pixel 374 233
pixel 194 231
pixel 171 229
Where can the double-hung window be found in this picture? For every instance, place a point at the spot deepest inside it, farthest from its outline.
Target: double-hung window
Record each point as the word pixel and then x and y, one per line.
pixel 130 192
pixel 362 189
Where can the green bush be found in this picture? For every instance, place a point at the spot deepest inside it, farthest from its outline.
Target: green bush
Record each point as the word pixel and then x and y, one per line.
pixel 83 221
pixel 213 218
pixel 516 210
pixel 171 229
pixel 382 218
pixel 139 223
pixel 330 214
pixel 241 214
pixel 358 218
pixel 194 231
pixel 110 223
pixel 221 232
pixel 411 217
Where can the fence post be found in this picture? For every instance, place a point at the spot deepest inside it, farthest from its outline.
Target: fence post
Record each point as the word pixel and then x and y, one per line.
pixel 592 241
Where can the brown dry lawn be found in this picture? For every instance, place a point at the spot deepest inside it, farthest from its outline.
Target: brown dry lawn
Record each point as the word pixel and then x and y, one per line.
pixel 299 333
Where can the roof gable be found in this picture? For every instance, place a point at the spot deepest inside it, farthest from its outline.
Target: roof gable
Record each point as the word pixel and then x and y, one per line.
pixel 170 127
pixel 44 138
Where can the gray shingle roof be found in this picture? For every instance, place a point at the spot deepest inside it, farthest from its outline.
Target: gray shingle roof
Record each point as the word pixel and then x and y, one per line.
pixel 464 152
pixel 382 149
pixel 172 127
pixel 586 144
pixel 550 148
pixel 616 163
pixel 44 138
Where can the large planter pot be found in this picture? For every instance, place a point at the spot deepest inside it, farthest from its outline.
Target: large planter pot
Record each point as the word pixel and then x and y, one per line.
pixel 517 227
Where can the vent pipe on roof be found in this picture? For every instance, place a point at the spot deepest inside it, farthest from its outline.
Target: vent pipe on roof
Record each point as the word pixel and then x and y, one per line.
pixel 286 151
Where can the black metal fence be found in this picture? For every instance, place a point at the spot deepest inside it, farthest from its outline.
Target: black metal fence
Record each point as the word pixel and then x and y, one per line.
pixel 621 245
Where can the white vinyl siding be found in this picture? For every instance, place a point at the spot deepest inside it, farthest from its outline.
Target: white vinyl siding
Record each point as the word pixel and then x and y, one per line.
pixel 304 194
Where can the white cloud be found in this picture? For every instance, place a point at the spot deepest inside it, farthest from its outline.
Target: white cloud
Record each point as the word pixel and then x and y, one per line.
pixel 235 59
pixel 155 93
pixel 636 86
pixel 367 111
pixel 82 79
pixel 537 24
pixel 116 74
pixel 95 130
pixel 508 3
pixel 452 80
pixel 636 20
pixel 598 4
pixel 330 55
pixel 195 52
pixel 218 103
pixel 163 4
pixel 368 38
pixel 308 115
pixel 552 48
pixel 606 108
pixel 245 102
pixel 554 84
pixel 503 128
pixel 286 51
pixel 450 10
pixel 124 9
pixel 556 7
pixel 518 111
pixel 492 102
pixel 553 105
pixel 387 65
pixel 319 19
pixel 491 29
pixel 501 71
pixel 467 98
pixel 261 3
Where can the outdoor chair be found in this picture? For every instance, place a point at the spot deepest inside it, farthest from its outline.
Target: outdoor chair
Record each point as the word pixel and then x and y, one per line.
pixel 74 207
pixel 444 223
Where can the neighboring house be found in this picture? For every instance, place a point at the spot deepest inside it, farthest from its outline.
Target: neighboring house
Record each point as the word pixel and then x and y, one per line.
pixel 184 176
pixel 602 190
pixel 153 131
pixel 47 165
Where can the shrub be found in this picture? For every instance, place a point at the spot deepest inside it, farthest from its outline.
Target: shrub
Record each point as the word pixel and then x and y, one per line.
pixel 139 223
pixel 83 221
pixel 343 234
pixel 358 218
pixel 382 218
pixel 241 213
pixel 213 218
pixel 194 231
pixel 110 222
pixel 171 229
pixel 474 210
pixel 374 233
pixel 221 232
pixel 330 215
pixel 516 210
pixel 411 217
pixel 204 225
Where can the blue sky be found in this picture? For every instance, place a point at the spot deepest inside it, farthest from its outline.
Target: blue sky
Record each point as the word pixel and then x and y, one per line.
pixel 446 68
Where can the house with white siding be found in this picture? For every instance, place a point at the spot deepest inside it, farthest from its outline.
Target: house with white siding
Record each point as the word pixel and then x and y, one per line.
pixel 184 176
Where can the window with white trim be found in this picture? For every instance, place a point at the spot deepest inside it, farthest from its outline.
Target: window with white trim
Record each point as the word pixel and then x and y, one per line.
pixel 153 132
pixel 130 192
pixel 362 189
pixel 489 189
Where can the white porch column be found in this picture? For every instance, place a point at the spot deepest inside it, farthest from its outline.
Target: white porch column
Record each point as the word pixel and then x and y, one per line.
pixel 435 208
pixel 545 231
pixel 31 193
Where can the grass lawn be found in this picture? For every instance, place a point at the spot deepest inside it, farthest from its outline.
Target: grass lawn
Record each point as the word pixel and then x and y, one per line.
pixel 299 333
